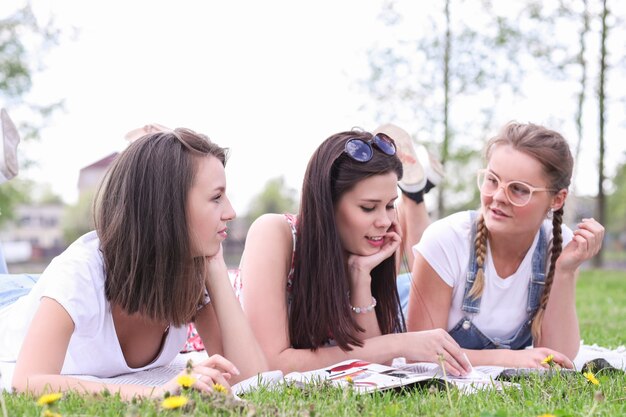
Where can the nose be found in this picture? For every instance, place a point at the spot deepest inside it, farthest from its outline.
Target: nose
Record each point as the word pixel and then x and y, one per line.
pixel 229 212
pixel 500 194
pixel 384 219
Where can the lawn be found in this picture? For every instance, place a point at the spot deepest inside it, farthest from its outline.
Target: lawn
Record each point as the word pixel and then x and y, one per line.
pixel 601 304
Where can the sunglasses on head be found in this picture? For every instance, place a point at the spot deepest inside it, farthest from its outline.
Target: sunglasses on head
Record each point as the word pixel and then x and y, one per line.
pixel 362 150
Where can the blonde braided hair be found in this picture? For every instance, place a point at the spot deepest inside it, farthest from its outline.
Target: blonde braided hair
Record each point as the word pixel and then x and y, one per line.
pixel 480 245
pixel 555 252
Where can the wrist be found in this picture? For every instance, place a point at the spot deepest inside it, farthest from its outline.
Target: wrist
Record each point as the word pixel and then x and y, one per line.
pixel 364 309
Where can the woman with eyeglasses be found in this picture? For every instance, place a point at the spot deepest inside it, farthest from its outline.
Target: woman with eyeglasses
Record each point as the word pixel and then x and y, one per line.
pixel 503 278
pixel 118 300
pixel 320 287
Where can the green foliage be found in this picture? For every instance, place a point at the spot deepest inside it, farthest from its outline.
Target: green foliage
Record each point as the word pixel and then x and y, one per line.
pixel 616 205
pixel 601 306
pixel 13 193
pixel 78 219
pixel 23 41
pixel 276 197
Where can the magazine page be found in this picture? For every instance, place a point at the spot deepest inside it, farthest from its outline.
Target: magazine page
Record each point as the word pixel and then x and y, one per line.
pixel 359 375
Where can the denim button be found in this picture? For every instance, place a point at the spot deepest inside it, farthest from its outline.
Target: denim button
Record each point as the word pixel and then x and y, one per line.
pixel 466 324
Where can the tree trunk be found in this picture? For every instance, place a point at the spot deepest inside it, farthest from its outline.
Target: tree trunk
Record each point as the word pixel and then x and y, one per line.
pixel 601 201
pixel 445 146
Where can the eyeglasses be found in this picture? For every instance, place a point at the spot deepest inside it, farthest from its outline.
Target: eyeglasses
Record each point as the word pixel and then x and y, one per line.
pixel 362 151
pixel 518 193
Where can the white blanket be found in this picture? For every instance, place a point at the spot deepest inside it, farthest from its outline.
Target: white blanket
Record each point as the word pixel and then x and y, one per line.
pixel 158 376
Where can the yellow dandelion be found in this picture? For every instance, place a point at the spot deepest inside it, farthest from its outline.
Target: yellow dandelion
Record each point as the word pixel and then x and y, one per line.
pixel 349 380
pixel 185 381
pixel 47 399
pixel 547 415
pixel 174 401
pixel 591 378
pixel 220 388
pixel 548 360
pixel 48 413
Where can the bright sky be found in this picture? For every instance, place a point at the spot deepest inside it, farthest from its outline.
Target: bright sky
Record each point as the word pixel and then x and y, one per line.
pixel 269 79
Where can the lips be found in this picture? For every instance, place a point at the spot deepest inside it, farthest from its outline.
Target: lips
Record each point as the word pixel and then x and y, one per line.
pixel 498 212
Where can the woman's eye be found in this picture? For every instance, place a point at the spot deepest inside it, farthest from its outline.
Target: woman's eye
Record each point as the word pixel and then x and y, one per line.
pixel 390 207
pixel 217 197
pixel 367 209
pixel 520 189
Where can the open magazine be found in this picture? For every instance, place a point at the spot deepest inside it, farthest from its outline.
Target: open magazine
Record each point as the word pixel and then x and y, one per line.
pixel 366 377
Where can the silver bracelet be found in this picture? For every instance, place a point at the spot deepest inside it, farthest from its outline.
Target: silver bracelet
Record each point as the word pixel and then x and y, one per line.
pixel 363 310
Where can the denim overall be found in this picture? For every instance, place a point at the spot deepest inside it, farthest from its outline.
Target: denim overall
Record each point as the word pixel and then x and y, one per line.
pixel 468 335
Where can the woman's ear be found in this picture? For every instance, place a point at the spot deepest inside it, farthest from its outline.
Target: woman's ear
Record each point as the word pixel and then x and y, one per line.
pixel 559 199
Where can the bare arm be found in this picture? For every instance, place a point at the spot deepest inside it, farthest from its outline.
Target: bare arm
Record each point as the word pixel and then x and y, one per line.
pixel 430 298
pixel 264 273
pixel 223 326
pixel 559 329
pixel 43 352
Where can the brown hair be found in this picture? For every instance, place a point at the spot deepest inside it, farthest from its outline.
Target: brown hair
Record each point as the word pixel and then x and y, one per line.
pixel 141 222
pixel 552 151
pixel 320 307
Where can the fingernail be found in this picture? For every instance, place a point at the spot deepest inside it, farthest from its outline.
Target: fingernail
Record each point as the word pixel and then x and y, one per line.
pixel 236 371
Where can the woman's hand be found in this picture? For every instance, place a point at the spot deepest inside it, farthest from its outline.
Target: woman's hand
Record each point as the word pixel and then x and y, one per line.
pixel 537 358
pixel 585 244
pixel 364 264
pixel 215 370
pixel 436 346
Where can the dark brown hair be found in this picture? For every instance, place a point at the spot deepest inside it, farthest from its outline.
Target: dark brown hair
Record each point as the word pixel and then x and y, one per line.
pixel 320 306
pixel 552 151
pixel 141 222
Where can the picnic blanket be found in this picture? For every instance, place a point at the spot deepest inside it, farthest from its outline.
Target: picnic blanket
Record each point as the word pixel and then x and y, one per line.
pixel 158 376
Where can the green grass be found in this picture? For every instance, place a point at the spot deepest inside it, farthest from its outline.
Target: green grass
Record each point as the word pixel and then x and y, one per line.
pixel 602 311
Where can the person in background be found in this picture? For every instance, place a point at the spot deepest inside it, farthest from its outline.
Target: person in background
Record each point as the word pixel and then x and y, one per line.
pixel 503 278
pixel 8 162
pixel 118 300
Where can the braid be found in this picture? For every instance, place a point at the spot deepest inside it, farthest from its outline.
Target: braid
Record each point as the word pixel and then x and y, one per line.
pixel 480 244
pixel 557 247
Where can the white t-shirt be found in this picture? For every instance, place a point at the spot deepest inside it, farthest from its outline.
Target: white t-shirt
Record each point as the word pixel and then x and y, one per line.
pixel 445 246
pixel 75 279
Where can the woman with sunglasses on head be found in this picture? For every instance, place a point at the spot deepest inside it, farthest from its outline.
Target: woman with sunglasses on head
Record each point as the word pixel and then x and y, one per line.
pixel 503 278
pixel 118 300
pixel 320 288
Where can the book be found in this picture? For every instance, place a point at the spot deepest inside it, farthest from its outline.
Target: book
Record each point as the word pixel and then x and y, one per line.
pixel 366 377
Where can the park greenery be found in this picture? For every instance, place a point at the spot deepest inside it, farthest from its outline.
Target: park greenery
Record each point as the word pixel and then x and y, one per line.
pixel 574 395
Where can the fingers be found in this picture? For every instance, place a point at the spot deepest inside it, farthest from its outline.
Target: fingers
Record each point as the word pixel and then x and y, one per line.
pixel 562 360
pixel 206 378
pixel 221 363
pixel 454 359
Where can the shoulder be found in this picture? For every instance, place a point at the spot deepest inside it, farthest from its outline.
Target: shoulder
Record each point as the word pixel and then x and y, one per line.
pixel 271 227
pixel 82 255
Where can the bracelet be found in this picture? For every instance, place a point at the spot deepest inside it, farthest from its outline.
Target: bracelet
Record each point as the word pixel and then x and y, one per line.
pixel 363 310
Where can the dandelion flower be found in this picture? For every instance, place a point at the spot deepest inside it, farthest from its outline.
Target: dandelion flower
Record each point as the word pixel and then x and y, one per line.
pixel 591 378
pixel 48 413
pixel 220 388
pixel 185 381
pixel 548 360
pixel 174 401
pixel 349 380
pixel 547 415
pixel 47 399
